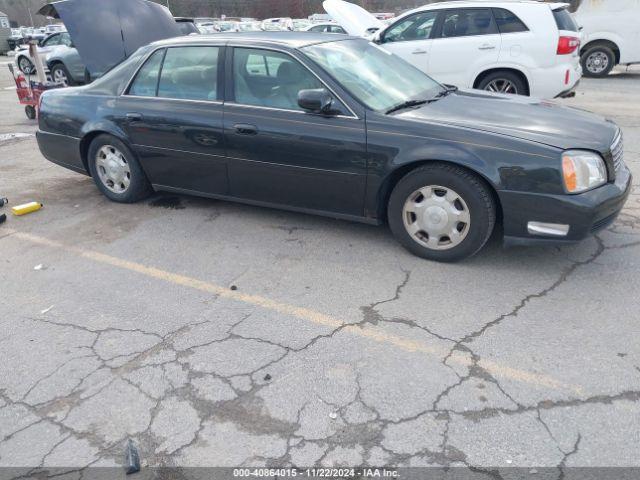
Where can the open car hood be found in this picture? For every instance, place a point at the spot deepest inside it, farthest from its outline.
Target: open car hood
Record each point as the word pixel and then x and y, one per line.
pixel 105 32
pixel 353 18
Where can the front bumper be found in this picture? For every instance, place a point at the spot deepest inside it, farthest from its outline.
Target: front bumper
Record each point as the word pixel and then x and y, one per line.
pixel 585 213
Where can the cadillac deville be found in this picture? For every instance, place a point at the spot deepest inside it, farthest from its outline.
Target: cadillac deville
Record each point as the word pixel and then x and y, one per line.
pixel 335 125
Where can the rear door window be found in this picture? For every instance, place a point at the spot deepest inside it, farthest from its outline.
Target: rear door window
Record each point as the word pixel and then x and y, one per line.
pixel 190 73
pixel 146 81
pixel 564 20
pixel 468 22
pixel 508 22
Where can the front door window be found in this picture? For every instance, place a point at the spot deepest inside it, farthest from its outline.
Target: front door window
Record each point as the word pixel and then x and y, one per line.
pixel 268 78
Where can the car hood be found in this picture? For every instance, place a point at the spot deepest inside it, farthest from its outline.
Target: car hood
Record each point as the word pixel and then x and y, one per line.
pixel 107 32
pixel 353 18
pixel 522 117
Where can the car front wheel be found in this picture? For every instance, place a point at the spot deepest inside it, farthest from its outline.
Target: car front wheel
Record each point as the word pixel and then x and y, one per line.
pixel 116 170
pixel 442 212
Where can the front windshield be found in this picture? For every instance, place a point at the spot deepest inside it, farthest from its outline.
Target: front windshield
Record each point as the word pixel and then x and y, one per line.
pixel 374 76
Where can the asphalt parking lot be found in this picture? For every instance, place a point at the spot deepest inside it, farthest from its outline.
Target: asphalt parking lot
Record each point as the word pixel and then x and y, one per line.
pixel 216 334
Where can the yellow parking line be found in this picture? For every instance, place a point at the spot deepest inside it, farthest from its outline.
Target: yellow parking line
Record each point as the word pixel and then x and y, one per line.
pixel 374 333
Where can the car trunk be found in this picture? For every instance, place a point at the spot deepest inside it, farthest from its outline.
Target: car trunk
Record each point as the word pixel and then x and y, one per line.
pixel 107 32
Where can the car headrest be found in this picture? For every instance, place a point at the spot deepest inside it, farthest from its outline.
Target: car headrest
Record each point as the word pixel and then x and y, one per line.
pixel 449 29
pixel 289 72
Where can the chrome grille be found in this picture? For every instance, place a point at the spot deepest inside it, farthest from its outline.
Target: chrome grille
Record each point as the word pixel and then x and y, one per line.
pixel 617 151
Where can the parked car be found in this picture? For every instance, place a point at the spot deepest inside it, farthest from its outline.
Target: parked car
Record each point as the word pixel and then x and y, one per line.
pixel 526 48
pixel 277 24
pixel 611 35
pixel 301 24
pixel 54 28
pixel 250 26
pixel 66 66
pixel 33 33
pixel 338 127
pixel 327 27
pixel 207 27
pixel 224 26
pixel 198 20
pixel 54 41
pixel 187 26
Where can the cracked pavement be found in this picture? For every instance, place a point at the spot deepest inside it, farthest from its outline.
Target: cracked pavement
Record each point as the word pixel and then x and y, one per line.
pixel 216 334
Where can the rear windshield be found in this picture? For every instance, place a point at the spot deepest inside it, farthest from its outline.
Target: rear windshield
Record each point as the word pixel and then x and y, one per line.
pixel 564 20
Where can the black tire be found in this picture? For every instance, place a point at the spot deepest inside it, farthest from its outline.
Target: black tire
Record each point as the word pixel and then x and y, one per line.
pixel 588 61
pixel 59 67
pixel 30 111
pixel 518 86
pixel 473 190
pixel 139 187
pixel 26 66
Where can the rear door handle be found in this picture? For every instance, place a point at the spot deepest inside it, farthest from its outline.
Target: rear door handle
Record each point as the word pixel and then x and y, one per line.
pixel 419 52
pixel 245 129
pixel 486 47
pixel 134 117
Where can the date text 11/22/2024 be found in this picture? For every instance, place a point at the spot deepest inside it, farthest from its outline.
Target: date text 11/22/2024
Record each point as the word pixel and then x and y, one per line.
pixel 328 473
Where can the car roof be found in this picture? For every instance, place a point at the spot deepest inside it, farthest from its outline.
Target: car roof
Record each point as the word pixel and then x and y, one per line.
pixel 288 39
pixel 483 3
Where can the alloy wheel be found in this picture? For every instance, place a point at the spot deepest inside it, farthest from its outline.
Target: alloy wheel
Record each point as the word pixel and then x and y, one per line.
pixel 25 65
pixel 60 77
pixel 436 217
pixel 113 169
pixel 502 85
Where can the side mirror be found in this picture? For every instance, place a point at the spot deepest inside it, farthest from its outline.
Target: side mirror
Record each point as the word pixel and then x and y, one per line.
pixel 317 100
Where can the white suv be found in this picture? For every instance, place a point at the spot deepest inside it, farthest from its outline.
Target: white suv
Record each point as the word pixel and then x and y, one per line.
pixel 524 47
pixel 611 34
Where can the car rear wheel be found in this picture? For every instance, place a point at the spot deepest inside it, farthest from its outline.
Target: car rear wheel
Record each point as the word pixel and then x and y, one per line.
pixel 442 212
pixel 503 82
pixel 116 170
pixel 61 76
pixel 26 66
pixel 598 61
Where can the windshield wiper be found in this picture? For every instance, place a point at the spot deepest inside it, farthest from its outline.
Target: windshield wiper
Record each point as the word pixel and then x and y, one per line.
pixel 407 104
pixel 445 92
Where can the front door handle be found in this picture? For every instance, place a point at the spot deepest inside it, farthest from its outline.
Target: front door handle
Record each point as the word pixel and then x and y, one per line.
pixel 486 46
pixel 419 52
pixel 134 117
pixel 245 129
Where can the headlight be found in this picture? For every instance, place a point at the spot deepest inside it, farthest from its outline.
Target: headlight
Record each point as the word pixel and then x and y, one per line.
pixel 582 170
